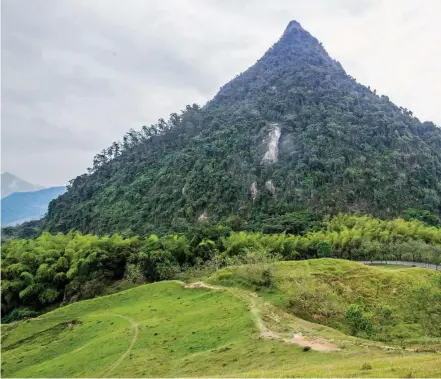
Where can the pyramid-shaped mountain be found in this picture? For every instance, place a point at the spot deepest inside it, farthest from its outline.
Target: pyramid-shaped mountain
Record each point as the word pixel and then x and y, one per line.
pixel 292 132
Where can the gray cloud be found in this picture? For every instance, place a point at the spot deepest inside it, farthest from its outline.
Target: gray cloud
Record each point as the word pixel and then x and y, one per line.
pixel 76 75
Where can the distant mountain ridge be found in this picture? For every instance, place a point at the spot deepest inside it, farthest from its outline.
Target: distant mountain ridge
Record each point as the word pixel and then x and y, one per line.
pixel 292 132
pixel 12 183
pixel 19 207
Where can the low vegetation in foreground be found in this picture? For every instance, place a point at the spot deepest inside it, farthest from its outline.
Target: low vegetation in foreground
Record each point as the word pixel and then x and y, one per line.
pixel 165 330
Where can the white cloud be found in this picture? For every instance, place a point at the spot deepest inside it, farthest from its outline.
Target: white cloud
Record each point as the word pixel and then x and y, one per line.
pixel 76 75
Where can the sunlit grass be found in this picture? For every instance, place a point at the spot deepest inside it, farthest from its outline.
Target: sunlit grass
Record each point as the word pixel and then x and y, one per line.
pixel 188 332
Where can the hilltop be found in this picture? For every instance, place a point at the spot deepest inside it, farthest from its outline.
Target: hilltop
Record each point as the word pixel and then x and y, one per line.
pixel 392 304
pixel 292 132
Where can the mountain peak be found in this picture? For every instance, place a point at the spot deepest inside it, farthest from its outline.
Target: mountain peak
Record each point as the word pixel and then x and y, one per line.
pixel 11 183
pixel 335 146
pixel 293 25
pixel 294 35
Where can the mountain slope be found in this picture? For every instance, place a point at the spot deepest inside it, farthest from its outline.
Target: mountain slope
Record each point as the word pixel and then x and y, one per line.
pixel 293 131
pixel 24 206
pixel 12 183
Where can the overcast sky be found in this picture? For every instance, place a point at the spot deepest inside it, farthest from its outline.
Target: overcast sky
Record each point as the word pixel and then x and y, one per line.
pixel 77 74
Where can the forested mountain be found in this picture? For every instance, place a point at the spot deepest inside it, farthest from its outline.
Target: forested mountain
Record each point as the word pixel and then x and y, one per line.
pixel 292 132
pixel 19 207
pixel 12 183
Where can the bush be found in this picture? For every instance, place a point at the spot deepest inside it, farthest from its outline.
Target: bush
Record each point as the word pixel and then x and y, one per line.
pixel 259 270
pixel 366 366
pixel 357 320
pixel 267 277
pixel 167 271
pixel 133 273
pixel 324 249
pixel 18 314
pixel 91 288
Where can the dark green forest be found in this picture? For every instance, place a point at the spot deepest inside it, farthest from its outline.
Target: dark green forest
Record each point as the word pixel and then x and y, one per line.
pixel 342 148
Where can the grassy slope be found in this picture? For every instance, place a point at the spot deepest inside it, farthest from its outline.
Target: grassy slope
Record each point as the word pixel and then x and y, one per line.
pixel 186 332
pixel 321 290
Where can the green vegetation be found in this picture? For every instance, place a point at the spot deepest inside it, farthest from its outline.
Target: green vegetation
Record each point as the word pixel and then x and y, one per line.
pixel 59 268
pixel 342 148
pixel 29 229
pixel 422 215
pixel 165 330
pixel 400 306
pixel 226 193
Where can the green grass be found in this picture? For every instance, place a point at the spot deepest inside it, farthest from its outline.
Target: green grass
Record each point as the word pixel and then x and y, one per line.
pixel 188 333
pixel 321 290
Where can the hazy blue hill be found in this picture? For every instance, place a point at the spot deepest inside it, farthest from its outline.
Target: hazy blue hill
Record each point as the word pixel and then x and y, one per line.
pixel 12 183
pixel 24 206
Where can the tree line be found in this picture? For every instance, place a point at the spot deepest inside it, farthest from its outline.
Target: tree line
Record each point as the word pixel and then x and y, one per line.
pixel 59 268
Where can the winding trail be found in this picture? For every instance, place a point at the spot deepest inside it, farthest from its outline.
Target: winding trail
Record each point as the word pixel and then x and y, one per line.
pixel 112 367
pixel 318 344
pixel 257 304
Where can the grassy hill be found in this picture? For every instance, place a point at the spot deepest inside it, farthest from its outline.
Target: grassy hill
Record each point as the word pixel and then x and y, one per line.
pixel 167 329
pixel 395 304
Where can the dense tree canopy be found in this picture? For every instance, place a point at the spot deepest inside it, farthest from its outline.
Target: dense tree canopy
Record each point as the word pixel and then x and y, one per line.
pixel 342 148
pixel 57 268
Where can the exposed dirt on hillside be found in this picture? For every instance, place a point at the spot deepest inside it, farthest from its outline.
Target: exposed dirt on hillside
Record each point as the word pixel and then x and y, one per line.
pixel 318 344
pixel 201 285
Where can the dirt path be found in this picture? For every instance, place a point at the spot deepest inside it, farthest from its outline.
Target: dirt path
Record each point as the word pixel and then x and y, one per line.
pixel 318 344
pixel 202 285
pixel 109 369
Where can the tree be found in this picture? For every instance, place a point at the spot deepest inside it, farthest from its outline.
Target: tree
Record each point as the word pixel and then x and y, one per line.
pixel 357 320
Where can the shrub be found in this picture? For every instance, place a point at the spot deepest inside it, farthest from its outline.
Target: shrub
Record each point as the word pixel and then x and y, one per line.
pixel 357 320
pixel 91 288
pixel 259 270
pixel 133 273
pixel 324 249
pixel 366 366
pixel 19 314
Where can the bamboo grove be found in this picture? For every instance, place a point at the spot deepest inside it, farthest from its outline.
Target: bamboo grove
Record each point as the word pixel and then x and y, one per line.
pixel 56 268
